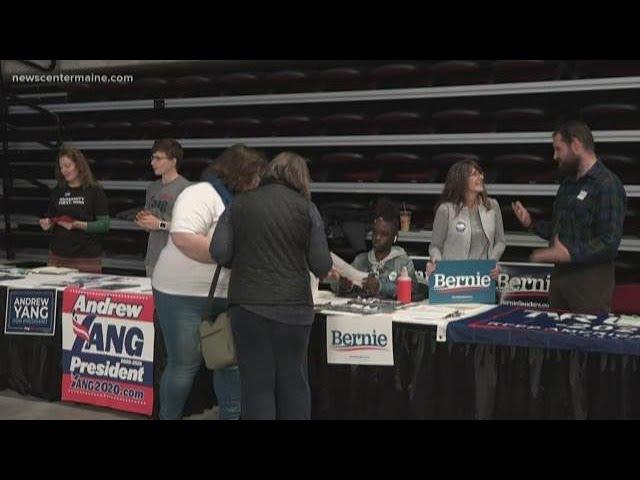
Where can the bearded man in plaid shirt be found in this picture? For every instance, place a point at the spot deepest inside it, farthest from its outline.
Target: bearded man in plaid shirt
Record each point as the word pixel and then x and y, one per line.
pixel 586 226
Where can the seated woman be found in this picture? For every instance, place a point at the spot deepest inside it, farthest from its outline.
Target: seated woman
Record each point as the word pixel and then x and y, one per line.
pixel 383 262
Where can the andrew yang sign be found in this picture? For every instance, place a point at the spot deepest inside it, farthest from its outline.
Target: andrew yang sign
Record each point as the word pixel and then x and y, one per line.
pixel 30 312
pixel 107 349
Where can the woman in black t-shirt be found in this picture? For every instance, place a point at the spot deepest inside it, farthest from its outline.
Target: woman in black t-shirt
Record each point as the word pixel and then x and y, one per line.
pixel 77 211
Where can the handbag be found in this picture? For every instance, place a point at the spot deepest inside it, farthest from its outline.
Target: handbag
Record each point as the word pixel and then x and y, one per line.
pixel 216 338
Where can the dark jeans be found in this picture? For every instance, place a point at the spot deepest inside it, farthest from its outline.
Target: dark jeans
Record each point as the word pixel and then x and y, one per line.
pixel 272 357
pixel 582 288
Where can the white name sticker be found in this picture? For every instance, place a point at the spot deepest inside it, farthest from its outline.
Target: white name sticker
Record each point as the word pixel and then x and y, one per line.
pixel 582 195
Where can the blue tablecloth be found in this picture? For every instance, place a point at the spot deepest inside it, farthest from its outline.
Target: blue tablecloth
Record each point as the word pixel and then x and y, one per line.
pixel 513 326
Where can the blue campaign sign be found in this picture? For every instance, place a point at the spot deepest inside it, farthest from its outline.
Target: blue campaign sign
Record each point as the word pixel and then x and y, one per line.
pixel 525 285
pixel 520 327
pixel 462 281
pixel 30 312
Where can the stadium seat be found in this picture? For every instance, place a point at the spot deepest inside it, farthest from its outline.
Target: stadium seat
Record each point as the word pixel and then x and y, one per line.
pixel 626 299
pixel 611 116
pixel 117 129
pixel 79 130
pixel 293 125
pixel 522 168
pixel 402 75
pixel 156 128
pixel 607 68
pixel 523 120
pixel 527 70
pixel 193 84
pixel 200 127
pixel 345 124
pixel 344 78
pixel 462 121
pixel 245 127
pixel 459 72
pixel 241 83
pixel 400 123
pixel 289 81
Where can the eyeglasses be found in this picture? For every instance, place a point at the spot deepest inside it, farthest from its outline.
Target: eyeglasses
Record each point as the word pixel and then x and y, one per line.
pixel 158 157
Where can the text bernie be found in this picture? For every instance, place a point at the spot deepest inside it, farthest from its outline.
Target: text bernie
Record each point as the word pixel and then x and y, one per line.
pixel 460 281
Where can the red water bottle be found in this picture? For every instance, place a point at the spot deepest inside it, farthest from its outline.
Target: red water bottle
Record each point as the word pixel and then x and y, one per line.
pixel 403 286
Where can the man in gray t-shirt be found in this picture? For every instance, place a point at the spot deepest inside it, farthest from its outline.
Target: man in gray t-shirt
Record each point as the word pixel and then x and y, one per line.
pixel 160 197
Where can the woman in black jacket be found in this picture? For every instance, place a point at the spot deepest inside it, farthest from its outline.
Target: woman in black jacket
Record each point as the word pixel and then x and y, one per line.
pixel 271 238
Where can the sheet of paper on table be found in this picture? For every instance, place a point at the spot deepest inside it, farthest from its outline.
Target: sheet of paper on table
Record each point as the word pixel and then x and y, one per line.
pixel 53 270
pixel 84 280
pixel 632 321
pixel 324 300
pixel 323 297
pixel 439 315
pixel 347 271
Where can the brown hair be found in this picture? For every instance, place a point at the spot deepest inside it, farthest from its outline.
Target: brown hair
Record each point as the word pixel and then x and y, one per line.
pixel 84 171
pixel 291 169
pixel 455 185
pixel 237 167
pixel 576 129
pixel 170 147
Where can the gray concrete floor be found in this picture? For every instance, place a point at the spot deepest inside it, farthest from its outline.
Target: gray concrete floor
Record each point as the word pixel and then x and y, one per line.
pixel 14 406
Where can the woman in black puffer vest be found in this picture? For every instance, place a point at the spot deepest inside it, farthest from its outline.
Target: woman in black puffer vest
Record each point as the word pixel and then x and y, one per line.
pixel 271 238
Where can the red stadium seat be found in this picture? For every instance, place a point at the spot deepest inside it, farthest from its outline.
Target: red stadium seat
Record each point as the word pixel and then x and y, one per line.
pixel 242 83
pixel 460 72
pixel 402 75
pixel 607 68
pixel 626 299
pixel 611 116
pixel 400 123
pixel 199 127
pixel 462 121
pixel 526 70
pixel 293 125
pixel 289 81
pixel 245 127
pixel 344 78
pixel 156 128
pixel 346 124
pixel 523 120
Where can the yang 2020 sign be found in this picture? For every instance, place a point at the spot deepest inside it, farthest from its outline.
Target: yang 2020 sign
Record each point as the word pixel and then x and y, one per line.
pixel 107 342
pixel 30 312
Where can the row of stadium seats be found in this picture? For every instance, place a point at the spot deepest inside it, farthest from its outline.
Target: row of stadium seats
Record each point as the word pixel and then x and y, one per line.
pixel 341 166
pixel 355 77
pixel 601 116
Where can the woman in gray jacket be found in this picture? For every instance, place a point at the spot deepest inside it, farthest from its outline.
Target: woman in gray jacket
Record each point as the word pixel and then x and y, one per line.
pixel 468 224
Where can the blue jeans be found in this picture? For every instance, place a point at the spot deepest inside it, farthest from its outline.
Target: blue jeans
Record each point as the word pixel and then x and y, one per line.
pixel 179 317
